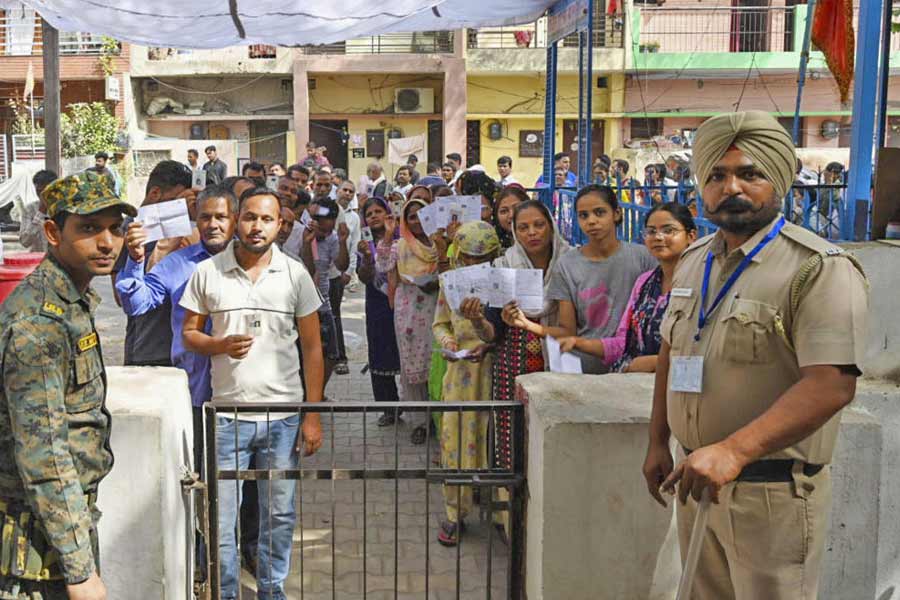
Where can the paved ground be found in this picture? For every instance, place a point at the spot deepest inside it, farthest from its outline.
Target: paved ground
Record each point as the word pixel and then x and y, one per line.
pixel 374 536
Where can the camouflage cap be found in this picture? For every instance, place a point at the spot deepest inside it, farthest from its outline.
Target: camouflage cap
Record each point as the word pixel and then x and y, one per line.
pixel 83 194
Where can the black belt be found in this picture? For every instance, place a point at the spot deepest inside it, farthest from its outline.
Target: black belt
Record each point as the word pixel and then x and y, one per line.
pixel 775 470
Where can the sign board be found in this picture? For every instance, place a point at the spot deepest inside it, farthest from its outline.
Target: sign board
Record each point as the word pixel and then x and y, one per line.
pixel 566 17
pixel 113 88
pixel 358 152
pixel 531 143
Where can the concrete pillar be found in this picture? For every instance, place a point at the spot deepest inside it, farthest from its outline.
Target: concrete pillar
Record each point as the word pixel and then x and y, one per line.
pixel 593 531
pixel 301 107
pixel 146 534
pixel 454 110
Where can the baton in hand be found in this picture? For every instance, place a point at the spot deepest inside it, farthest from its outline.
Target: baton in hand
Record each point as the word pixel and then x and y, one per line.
pixel 693 553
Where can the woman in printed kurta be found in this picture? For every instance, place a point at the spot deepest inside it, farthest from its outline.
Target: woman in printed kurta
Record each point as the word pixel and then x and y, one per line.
pixel 413 261
pixel 464 435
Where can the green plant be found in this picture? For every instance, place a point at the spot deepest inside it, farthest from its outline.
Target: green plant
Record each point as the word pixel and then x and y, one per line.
pixel 22 123
pixel 87 128
pixel 108 51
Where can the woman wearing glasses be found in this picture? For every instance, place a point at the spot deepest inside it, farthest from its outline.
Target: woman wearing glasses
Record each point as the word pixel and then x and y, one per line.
pixel 668 231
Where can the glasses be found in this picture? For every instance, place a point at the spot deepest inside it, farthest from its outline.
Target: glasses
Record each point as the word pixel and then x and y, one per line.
pixel 666 232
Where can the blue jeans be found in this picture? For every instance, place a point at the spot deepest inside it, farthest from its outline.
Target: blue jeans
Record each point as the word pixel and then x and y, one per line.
pixel 273 445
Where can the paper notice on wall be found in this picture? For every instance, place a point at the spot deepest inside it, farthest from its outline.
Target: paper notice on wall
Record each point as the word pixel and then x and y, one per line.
pixel 165 220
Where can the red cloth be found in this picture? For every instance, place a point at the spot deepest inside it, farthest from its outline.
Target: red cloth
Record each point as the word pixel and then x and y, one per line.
pixel 612 7
pixel 832 33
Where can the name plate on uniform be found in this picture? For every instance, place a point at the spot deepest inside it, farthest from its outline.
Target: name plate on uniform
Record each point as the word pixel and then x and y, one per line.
pixel 686 374
pixel 87 342
pixel 682 292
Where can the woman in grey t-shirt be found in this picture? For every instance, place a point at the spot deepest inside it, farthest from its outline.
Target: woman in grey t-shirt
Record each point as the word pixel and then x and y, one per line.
pixel 593 282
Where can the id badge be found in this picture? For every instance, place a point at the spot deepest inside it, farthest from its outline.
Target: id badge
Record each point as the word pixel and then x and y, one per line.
pixel 253 323
pixel 686 374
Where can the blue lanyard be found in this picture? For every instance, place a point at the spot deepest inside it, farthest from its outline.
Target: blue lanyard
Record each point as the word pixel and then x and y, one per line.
pixel 701 323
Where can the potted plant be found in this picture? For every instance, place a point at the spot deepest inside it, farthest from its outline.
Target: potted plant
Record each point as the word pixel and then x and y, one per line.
pixel 649 47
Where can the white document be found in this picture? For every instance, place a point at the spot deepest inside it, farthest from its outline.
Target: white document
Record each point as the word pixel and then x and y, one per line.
pixel 686 374
pixel 525 286
pixel 451 289
pixel 165 220
pixel 562 362
pixel 198 179
pixel 474 281
pixel 428 218
pixel 530 289
pixel 272 182
pixel 503 287
pixel 458 355
pixel 420 280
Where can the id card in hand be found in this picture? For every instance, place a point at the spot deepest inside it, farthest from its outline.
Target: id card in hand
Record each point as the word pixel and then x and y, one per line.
pixel 686 374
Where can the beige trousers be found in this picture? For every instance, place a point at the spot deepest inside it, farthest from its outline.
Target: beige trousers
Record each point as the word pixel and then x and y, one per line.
pixel 764 540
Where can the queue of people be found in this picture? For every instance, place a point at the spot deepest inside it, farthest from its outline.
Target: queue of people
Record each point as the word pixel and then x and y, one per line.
pixel 750 379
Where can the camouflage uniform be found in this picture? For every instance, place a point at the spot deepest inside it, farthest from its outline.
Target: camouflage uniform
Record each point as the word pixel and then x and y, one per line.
pixel 54 426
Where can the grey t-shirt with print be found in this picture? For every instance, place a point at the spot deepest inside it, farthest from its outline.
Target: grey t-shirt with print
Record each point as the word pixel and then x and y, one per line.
pixel 599 289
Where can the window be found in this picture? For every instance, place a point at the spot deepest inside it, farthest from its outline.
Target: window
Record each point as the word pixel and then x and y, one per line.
pixel 645 129
pixel 788 124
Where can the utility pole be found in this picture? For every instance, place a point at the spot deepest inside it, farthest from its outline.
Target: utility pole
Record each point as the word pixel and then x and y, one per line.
pixel 50 43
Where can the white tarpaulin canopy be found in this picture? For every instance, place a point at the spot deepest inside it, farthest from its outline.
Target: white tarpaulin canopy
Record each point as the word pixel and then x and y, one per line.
pixel 221 23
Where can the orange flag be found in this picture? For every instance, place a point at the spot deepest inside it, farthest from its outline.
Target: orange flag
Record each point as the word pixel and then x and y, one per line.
pixel 832 33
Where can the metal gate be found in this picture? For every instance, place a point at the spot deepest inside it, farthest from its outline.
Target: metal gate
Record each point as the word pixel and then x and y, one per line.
pixel 369 503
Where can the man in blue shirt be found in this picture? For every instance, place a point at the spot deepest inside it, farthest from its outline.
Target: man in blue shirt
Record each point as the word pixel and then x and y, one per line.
pixel 560 159
pixel 141 293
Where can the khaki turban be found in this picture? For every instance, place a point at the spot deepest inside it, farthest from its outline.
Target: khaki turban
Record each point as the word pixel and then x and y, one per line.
pixel 755 133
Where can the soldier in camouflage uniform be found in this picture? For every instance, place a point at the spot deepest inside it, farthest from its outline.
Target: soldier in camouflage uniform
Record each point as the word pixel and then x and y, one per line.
pixel 54 426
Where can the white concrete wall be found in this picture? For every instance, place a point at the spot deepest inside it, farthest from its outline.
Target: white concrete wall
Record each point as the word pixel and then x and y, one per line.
pixel 145 535
pixel 593 532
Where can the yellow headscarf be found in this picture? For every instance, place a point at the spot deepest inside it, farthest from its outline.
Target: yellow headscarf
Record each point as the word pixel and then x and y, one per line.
pixel 477 238
pixel 413 257
pixel 755 133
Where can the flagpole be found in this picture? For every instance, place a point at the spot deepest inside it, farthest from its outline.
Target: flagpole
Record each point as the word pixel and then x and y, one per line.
pixel 804 60
pixel 32 124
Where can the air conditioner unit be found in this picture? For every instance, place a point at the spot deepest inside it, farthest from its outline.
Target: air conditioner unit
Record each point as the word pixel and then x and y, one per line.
pixel 414 100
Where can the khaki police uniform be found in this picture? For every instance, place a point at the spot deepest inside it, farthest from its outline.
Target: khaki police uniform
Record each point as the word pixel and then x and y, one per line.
pixel 54 426
pixel 800 302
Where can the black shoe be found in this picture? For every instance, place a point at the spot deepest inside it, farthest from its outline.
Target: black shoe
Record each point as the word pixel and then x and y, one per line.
pixel 419 435
pixel 341 368
pixel 386 420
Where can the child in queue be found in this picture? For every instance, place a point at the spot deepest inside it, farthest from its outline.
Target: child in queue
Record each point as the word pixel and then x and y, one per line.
pixel 464 434
pixel 592 284
pixel 668 230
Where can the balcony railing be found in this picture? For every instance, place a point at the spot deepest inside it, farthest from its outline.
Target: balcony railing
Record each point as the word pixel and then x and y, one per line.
pixel 22 37
pixel 423 42
pixel 723 29
pixel 608 33
pixel 256 51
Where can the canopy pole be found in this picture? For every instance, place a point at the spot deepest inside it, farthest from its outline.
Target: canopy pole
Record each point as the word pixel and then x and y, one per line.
pixel 233 9
pixel 804 60
pixel 862 138
pixel 885 66
pixel 52 108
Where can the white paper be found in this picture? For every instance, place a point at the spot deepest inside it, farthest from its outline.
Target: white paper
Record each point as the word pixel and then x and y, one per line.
pixel 474 281
pixel 366 234
pixel 451 290
pixel 305 218
pixel 458 355
pixel 686 374
pixel 428 218
pixel 272 182
pixel 562 362
pixel 503 287
pixel 198 179
pixel 165 220
pixel 530 289
pixel 420 280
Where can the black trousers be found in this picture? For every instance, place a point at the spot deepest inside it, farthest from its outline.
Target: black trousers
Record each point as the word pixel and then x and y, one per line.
pixel 335 298
pixel 384 388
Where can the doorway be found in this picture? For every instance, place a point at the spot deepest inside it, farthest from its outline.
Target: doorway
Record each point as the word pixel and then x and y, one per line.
pixel 473 143
pixel 570 141
pixel 435 141
pixel 331 133
pixel 267 141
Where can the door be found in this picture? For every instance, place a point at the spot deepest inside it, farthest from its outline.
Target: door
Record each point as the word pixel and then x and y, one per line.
pixel 473 143
pixel 570 141
pixel 749 26
pixel 333 135
pixel 435 142
pixel 267 141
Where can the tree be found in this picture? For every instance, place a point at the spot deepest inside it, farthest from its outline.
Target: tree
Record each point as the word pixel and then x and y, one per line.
pixel 88 128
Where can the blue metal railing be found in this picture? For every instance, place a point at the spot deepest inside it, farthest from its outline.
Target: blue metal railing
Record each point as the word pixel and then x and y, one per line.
pixel 820 208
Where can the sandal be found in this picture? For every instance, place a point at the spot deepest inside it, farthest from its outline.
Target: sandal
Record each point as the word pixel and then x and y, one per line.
pixel 418 436
pixel 341 369
pixel 449 533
